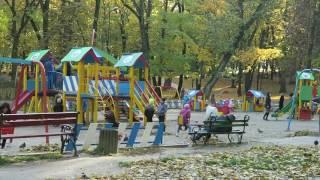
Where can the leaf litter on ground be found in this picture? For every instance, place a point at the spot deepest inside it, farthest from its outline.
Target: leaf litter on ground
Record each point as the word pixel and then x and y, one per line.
pixel 258 162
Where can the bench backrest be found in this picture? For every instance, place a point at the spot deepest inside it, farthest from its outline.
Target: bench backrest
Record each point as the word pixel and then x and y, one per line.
pixel 38 119
pixel 227 123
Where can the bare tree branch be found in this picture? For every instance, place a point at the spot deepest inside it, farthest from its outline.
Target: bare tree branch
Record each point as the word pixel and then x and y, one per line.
pixel 130 9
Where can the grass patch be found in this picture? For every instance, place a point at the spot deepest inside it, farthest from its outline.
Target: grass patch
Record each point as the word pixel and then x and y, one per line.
pixel 124 164
pixel 5 160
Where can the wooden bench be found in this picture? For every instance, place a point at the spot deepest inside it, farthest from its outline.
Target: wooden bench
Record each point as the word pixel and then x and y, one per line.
pixel 214 127
pixel 66 120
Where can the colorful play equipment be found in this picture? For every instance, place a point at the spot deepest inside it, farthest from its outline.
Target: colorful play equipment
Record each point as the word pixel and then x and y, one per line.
pixel 90 80
pixel 97 85
pixel 169 90
pixel 301 106
pixel 196 99
pixel 301 103
pixel 36 82
pixel 253 101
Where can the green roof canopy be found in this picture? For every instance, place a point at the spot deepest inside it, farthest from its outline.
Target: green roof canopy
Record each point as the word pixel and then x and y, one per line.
pixel 14 61
pixel 38 55
pixel 136 60
pixel 85 53
pixel 106 56
pixel 305 75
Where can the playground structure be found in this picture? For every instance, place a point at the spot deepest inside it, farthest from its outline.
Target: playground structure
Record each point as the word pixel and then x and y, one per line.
pixel 34 87
pixel 196 99
pixel 90 78
pixel 169 90
pixel 253 101
pixel 97 85
pixel 300 106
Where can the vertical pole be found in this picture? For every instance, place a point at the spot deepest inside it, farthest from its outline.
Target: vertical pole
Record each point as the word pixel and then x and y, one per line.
pixel 96 94
pixel 146 78
pixel 194 102
pixel 254 104
pixel 25 79
pixel 131 81
pixel 36 80
pixel 64 98
pixel 117 114
pixel 299 100
pixel 80 90
pixel 117 80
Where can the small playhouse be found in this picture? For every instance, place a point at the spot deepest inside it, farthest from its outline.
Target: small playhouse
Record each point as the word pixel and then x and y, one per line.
pixel 196 100
pixel 305 95
pixel 253 101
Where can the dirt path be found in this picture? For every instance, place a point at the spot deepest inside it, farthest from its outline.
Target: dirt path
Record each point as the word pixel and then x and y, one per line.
pixel 273 133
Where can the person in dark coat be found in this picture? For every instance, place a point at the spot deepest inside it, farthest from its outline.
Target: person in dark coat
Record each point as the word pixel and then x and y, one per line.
pixel 267 106
pixel 110 117
pixel 281 101
pixel 58 106
pixel 149 111
pixel 5 108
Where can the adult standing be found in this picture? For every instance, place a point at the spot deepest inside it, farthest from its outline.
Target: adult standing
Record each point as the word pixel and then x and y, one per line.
pixel 149 111
pixel 281 101
pixel 161 111
pixel 267 106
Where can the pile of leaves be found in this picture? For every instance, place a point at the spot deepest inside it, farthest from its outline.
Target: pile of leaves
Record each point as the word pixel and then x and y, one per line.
pixel 42 148
pixel 257 162
pixel 304 133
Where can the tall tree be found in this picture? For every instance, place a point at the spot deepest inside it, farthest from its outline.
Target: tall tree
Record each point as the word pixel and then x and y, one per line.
pixel 95 21
pixel 142 10
pixel 235 45
pixel 18 27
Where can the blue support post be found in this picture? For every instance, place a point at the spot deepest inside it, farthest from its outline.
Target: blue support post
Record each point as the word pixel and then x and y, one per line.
pixel 133 134
pixel 69 146
pixel 159 136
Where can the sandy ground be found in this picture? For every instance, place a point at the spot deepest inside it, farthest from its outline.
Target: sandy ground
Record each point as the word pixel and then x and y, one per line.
pixel 274 132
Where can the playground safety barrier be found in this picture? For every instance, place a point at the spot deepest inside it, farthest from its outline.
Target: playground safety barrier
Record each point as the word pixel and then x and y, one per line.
pixel 127 135
pixel 174 104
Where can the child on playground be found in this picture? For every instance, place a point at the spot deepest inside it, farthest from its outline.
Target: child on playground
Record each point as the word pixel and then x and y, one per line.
pixel 185 113
pixel 58 106
pixel 110 118
pixel 149 111
pixel 5 108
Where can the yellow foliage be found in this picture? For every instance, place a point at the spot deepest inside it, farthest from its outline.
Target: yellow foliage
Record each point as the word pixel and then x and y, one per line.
pixel 213 6
pixel 257 55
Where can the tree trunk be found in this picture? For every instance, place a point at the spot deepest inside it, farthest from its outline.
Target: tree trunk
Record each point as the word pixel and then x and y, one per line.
pixel 45 24
pixel 272 67
pixel 159 80
pixel 95 21
pixel 154 80
pixel 228 54
pixel 180 84
pixel 239 91
pixel 258 77
pixel 124 35
pixel 282 82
